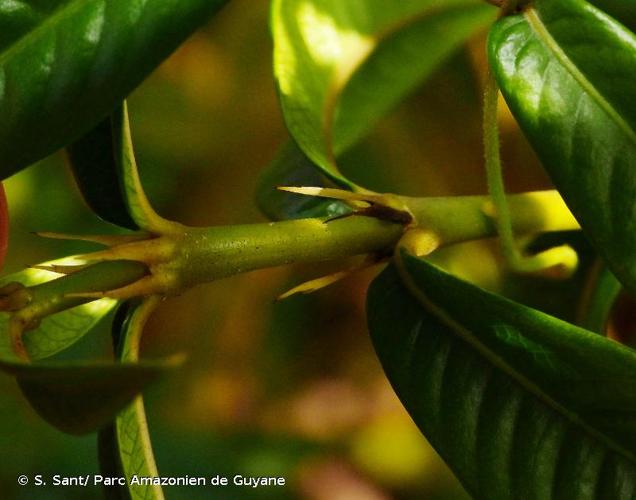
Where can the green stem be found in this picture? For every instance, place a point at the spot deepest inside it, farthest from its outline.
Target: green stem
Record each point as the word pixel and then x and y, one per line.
pixel 494 172
pixel 465 218
pixel 216 252
pixel 201 255
pixel 561 261
pixel 52 296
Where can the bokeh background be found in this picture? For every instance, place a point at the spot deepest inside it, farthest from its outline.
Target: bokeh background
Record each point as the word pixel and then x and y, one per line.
pixel 288 388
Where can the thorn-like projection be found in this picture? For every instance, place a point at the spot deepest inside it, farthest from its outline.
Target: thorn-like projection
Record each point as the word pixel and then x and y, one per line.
pixel 384 212
pixel 145 287
pixel 60 269
pixel 381 206
pixel 102 239
pixel 332 193
pixel 149 251
pixel 324 281
pixel 315 284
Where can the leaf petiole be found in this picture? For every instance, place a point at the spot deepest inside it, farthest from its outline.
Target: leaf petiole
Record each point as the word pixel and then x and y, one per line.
pixel 557 262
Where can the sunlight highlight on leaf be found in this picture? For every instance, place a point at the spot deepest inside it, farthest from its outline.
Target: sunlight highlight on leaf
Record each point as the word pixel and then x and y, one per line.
pixel 331 46
pixel 340 66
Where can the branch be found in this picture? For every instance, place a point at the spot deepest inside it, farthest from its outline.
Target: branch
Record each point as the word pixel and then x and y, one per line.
pixel 168 265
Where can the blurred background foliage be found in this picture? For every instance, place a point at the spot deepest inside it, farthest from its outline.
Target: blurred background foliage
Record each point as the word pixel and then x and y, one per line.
pixel 288 388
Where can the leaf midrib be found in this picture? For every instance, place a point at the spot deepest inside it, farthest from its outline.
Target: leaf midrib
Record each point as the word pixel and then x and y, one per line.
pixel 543 34
pixel 499 363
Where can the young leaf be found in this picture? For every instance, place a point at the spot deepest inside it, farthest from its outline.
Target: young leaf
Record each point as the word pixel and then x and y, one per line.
pixel 513 399
pixel 125 446
pixel 292 168
pixel 92 160
pixel 340 65
pixel 566 71
pixel 65 64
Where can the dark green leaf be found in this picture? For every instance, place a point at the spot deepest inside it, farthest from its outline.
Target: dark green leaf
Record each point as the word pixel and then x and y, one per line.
pixel 66 64
pixel 623 11
pixel 567 72
pixel 93 164
pixel 340 66
pixel 79 398
pixel 292 168
pixel 517 402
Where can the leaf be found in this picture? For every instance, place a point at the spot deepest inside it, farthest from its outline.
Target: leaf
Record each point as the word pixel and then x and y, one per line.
pixel 623 11
pixel 517 402
pixel 566 71
pixel 292 168
pixel 125 446
pixel 76 397
pixel 92 161
pixel 66 64
pixel 340 66
pixel 54 333
pixel 133 193
pixel 106 171
pixel 79 398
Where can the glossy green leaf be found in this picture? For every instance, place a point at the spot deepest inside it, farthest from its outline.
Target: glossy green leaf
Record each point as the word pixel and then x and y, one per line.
pixel 623 11
pixel 515 401
pixel 125 446
pixel 66 64
pixel 292 168
pixel 567 72
pixel 92 160
pixel 340 66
